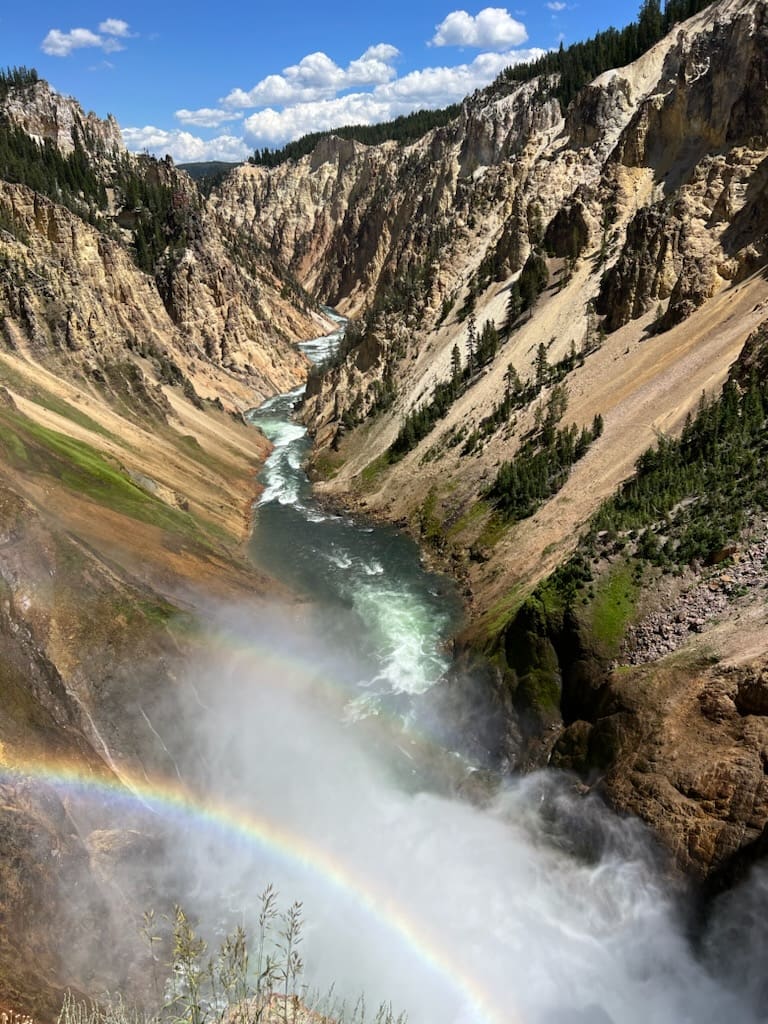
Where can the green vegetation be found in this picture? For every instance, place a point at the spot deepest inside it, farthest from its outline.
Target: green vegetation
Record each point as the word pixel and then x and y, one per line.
pixel 430 524
pixel 481 349
pixel 565 72
pixel 523 292
pixel 69 180
pixel 83 470
pixel 246 980
pixel 690 496
pixel 404 129
pixel 166 217
pixel 541 466
pixel 16 78
pixel 519 394
pixel 374 469
pixel 42 397
pixel 209 174
pixel 613 607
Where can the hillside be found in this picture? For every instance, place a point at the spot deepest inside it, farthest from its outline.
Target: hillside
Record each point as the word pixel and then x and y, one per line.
pixel 553 378
pixel 618 250
pixel 135 328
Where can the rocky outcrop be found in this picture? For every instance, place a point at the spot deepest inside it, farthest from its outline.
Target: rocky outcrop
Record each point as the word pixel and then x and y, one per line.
pixel 67 290
pixel 350 220
pixel 694 135
pixel 684 756
pixel 47 115
pixel 347 218
pixel 73 635
pixel 653 174
pixel 126 479
pixel 647 197
pixel 213 297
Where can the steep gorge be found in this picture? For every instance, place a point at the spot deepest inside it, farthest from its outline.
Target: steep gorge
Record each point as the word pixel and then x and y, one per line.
pixel 126 480
pixel 647 199
pixel 126 474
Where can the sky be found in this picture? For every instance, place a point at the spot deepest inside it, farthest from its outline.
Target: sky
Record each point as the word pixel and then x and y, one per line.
pixel 203 82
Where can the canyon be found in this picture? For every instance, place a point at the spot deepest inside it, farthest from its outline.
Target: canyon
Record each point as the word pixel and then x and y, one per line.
pixel 647 197
pixel 128 471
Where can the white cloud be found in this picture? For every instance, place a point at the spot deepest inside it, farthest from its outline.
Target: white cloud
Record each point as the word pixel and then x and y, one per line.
pixel 183 146
pixel 62 44
pixel 205 117
pixel 317 94
pixel 493 28
pixel 115 27
pixel 556 6
pixel 317 77
pixel 381 51
pixel 428 88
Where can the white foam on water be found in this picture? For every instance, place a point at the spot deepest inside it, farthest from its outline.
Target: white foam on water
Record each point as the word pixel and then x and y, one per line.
pixel 373 568
pixel 404 634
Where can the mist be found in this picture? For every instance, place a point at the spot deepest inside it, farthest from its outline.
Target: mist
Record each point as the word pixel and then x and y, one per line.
pixel 541 907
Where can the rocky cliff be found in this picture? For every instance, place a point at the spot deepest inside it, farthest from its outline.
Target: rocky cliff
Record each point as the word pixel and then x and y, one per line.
pixel 211 292
pixel 644 206
pixel 134 329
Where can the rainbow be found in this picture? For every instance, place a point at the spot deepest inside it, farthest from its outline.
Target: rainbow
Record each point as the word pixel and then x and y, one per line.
pixel 166 796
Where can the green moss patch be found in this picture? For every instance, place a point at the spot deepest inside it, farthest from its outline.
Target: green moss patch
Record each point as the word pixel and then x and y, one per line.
pixel 327 464
pixel 613 607
pixel 472 516
pixel 83 470
pixel 374 469
pixel 47 400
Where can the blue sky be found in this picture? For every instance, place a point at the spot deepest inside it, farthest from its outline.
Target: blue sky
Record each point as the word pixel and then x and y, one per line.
pixel 209 82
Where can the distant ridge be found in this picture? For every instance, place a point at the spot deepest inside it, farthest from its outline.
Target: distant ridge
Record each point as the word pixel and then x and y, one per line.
pixel 198 171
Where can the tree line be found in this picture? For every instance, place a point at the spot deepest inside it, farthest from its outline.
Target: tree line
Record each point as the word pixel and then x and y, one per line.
pixel 164 215
pixel 692 495
pixel 568 69
pixel 481 348
pixel 404 129
pixel 518 393
pixel 68 179
pixel 543 463
pixel 19 77
pixel 565 72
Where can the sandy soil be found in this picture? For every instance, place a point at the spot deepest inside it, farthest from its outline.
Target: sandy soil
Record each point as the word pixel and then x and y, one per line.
pixel 215 481
pixel 219 488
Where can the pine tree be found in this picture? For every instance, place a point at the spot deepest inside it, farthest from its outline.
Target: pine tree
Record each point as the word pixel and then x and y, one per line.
pixel 541 366
pixel 471 343
pixel 514 307
pixel 455 369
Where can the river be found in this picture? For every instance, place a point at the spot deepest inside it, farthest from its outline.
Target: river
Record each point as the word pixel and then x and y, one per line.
pixel 541 907
pixel 376 602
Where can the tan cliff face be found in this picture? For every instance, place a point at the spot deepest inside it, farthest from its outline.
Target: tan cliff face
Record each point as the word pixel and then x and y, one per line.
pixel 45 114
pixel 68 290
pixel 649 196
pixel 349 218
pixel 127 476
pixel 675 231
pixel 224 302
pixel 663 224
pixel 125 490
